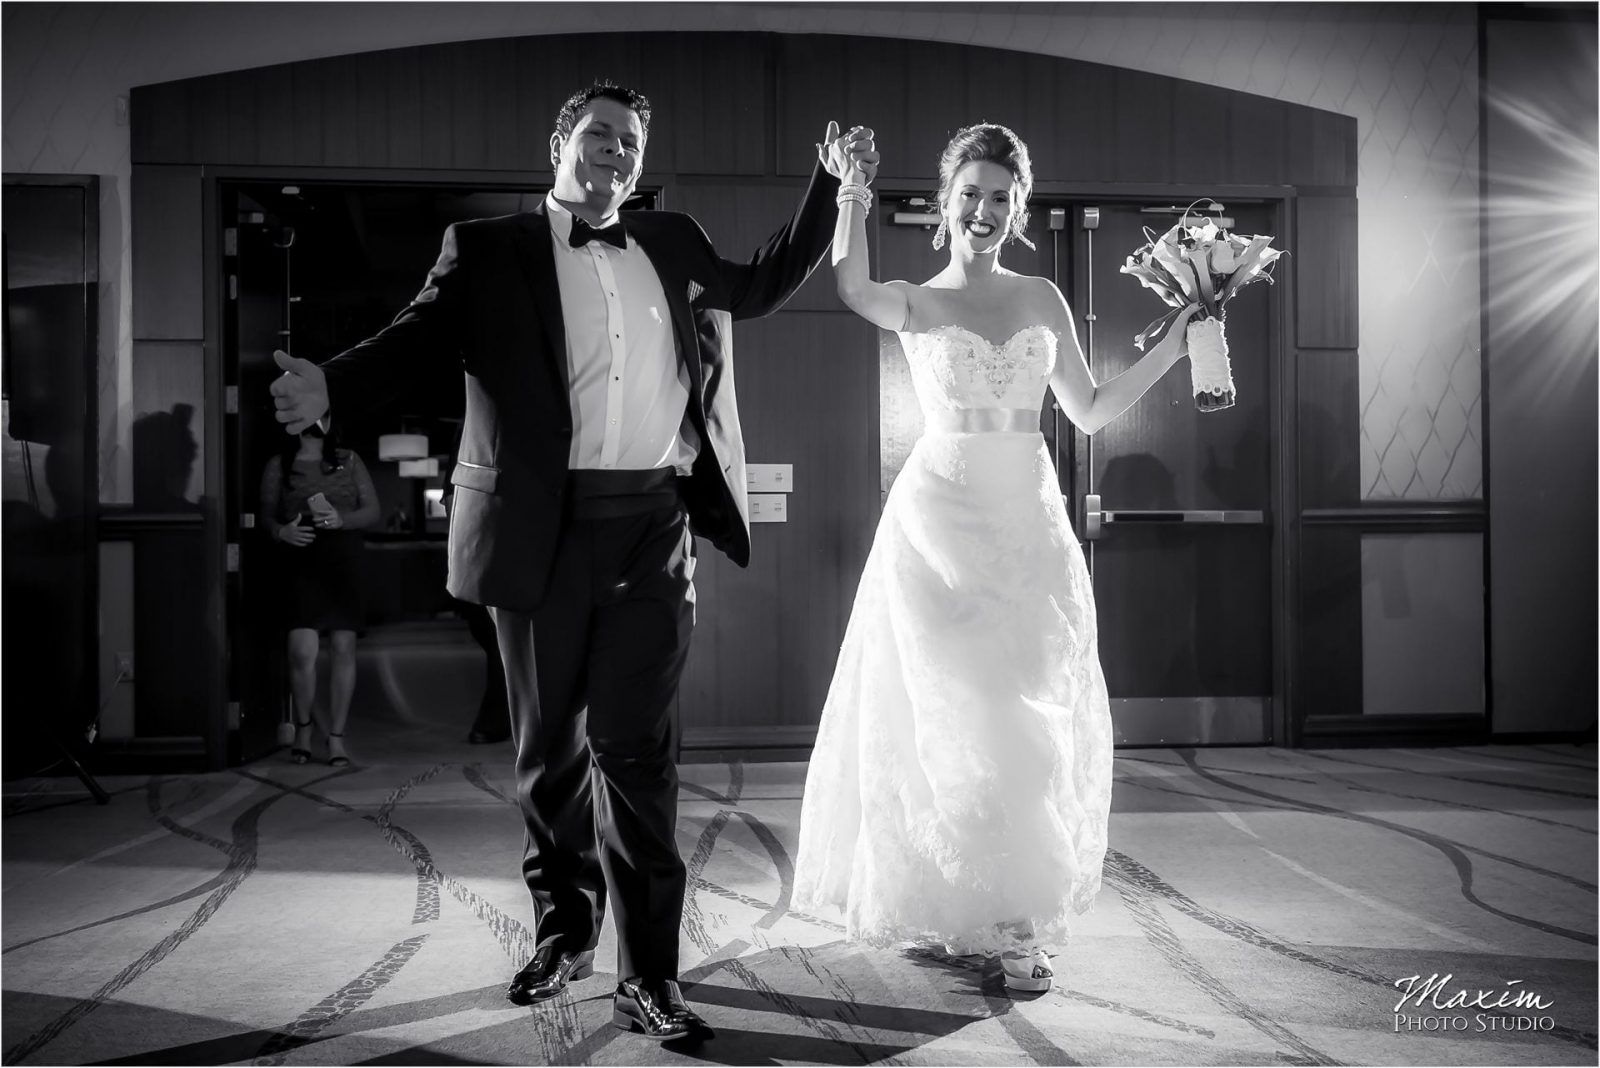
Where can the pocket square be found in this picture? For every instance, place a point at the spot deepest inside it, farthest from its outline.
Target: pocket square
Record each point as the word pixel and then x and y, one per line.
pixel 695 289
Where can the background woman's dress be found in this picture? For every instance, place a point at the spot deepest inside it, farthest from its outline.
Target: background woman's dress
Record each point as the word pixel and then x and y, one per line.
pixel 322 581
pixel 962 772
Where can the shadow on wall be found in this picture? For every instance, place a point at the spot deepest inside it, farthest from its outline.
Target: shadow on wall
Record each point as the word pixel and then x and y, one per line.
pixel 164 451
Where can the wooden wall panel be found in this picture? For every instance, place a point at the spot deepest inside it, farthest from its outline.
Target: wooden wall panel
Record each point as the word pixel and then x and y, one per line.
pixel 341 120
pixel 1330 429
pixel 1326 273
pixel 308 102
pixel 158 123
pixel 511 131
pixel 739 104
pixel 767 636
pixel 1257 138
pixel 819 78
pixel 1045 111
pixel 1321 149
pixel 370 106
pixel 740 218
pixel 167 268
pixel 712 103
pixel 1200 133
pixel 272 89
pixel 403 91
pixel 241 122
pixel 1088 133
pixel 1142 110
pixel 936 104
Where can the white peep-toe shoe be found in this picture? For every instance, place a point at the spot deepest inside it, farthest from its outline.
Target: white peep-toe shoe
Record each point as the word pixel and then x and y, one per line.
pixel 1031 974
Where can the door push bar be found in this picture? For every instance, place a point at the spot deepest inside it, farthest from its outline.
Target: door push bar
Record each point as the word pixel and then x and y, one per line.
pixel 1095 517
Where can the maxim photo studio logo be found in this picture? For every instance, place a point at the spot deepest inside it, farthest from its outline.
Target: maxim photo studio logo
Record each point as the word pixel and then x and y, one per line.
pixel 1435 1007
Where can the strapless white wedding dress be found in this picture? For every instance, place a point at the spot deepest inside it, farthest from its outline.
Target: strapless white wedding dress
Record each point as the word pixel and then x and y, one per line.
pixel 962 772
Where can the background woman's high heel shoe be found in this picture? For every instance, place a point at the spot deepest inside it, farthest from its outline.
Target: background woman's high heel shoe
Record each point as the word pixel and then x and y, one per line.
pixel 1031 973
pixel 337 760
pixel 298 754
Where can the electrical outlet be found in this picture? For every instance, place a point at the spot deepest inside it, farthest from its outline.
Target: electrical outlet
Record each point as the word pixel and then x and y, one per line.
pixel 122 663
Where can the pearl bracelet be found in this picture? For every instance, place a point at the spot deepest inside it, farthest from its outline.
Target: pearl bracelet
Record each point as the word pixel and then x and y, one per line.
pixel 857 194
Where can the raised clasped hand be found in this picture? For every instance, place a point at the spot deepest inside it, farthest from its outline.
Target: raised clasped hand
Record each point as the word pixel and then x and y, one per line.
pixel 851 157
pixel 300 393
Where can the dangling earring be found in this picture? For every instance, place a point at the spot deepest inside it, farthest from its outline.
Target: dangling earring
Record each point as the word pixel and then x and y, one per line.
pixel 1018 234
pixel 938 235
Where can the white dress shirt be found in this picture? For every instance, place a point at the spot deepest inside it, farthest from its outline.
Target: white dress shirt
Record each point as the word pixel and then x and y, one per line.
pixel 629 392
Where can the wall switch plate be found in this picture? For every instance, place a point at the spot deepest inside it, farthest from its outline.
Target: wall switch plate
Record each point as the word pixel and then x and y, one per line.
pixel 769 508
pixel 769 478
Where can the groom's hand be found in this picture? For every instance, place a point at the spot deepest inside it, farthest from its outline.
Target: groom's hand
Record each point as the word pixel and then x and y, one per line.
pixel 301 392
pixel 854 150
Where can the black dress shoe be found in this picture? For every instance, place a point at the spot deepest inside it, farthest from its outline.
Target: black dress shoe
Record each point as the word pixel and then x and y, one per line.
pixel 548 974
pixel 657 1009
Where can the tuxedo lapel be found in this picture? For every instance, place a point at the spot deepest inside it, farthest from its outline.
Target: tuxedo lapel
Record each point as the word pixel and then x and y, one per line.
pixel 675 285
pixel 538 263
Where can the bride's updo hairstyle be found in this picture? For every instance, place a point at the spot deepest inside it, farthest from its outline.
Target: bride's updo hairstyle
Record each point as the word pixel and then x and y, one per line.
pixel 991 142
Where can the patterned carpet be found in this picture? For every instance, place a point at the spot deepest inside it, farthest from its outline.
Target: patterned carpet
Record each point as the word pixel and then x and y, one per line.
pixel 1259 907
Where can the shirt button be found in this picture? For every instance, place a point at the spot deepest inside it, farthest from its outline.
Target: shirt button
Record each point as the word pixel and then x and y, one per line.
pixel 613 422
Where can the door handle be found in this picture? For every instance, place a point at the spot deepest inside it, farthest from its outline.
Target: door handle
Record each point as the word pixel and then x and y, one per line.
pixel 1200 515
pixel 1095 516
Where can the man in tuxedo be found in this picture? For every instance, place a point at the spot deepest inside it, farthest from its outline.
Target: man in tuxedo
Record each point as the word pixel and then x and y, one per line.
pixel 601 429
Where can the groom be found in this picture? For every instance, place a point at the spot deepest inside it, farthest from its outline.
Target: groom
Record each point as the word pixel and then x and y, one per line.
pixel 600 429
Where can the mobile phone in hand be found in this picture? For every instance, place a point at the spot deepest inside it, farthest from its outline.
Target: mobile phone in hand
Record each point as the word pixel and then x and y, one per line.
pixel 319 504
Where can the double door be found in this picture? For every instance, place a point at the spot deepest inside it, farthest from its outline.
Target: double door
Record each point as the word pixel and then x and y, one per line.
pixel 1173 506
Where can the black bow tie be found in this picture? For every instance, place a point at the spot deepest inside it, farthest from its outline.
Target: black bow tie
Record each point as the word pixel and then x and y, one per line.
pixel 583 233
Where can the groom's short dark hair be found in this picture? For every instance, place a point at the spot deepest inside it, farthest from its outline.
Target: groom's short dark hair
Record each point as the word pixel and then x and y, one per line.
pixel 567 117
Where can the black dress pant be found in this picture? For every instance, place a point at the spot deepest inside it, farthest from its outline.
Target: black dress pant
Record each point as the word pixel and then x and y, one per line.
pixel 591 677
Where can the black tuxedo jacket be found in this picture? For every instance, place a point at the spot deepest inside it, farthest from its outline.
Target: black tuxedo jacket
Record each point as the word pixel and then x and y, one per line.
pixel 491 306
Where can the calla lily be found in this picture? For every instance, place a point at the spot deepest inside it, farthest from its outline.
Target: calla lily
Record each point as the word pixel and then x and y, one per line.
pixel 1224 258
pixel 1205 266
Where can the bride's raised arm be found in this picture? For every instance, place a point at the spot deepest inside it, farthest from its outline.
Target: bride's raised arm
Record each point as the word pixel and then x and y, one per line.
pixel 1090 404
pixel 884 304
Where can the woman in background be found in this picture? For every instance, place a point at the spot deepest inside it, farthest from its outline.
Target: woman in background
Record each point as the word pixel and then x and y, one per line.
pixel 316 498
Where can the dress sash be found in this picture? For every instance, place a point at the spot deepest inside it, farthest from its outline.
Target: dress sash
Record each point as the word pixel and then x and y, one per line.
pixel 983 421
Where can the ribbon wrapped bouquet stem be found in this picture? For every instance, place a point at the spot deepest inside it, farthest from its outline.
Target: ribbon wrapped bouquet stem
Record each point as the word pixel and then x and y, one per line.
pixel 1202 265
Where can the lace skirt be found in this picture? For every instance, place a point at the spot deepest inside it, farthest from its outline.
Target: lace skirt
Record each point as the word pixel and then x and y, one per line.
pixel 962 773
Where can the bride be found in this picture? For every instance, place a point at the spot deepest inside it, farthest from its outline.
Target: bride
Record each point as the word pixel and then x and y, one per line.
pixel 960 787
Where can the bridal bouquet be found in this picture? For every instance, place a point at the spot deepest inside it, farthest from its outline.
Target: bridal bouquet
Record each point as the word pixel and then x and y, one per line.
pixel 1202 265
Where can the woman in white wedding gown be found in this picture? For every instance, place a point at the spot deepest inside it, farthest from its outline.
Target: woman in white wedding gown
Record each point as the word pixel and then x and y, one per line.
pixel 960 786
